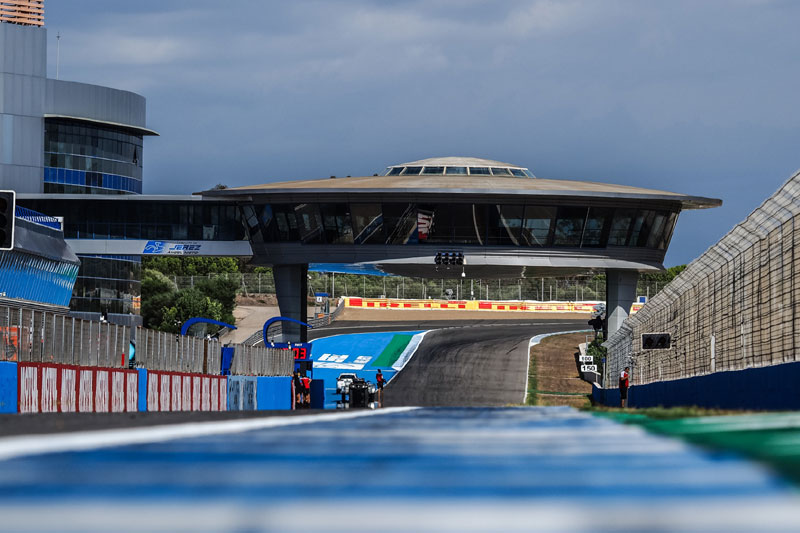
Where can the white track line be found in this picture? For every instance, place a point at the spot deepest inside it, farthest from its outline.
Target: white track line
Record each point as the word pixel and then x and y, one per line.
pixel 26 445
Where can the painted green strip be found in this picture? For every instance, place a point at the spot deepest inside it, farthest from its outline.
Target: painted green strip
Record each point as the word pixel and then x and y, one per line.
pixel 392 351
pixel 771 438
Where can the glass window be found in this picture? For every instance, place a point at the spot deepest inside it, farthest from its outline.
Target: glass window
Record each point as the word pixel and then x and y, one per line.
pixel 538 225
pixel 394 171
pixel 569 226
pixel 620 227
pixel 657 232
pixel 517 172
pixel 433 170
pixel 597 227
pixel 367 223
pixel 500 171
pixel 400 223
pixel 641 228
pixel 461 171
pixel 336 220
pixel 450 223
pixel 505 224
pixel 669 226
pixel 479 171
pixel 412 171
pixel 309 221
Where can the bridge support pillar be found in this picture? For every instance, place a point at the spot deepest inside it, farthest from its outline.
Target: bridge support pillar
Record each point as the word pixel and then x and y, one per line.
pixel 620 295
pixel 291 287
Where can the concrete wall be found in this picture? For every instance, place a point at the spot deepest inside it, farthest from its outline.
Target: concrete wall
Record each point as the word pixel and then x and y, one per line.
pixel 23 70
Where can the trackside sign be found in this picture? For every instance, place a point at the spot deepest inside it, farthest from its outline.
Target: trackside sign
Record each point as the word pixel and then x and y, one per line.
pixel 172 248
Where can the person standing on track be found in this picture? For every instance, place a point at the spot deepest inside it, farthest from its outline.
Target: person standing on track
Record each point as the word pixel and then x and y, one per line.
pixel 298 390
pixel 624 380
pixel 306 392
pixel 381 382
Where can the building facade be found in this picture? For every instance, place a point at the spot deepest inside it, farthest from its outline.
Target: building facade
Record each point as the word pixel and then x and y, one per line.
pixel 61 137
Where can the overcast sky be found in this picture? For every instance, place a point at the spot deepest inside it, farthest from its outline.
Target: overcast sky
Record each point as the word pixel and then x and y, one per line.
pixel 694 97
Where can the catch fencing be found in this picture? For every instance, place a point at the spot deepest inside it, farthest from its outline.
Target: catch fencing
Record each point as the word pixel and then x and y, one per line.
pixel 734 307
pixel 36 336
pixel 261 361
pixel 29 335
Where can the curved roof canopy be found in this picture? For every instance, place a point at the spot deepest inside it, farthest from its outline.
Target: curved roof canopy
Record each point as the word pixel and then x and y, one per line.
pixel 465 176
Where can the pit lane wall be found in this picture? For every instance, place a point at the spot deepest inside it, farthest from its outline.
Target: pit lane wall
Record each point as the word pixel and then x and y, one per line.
pixel 54 388
pixel 733 320
pixel 475 305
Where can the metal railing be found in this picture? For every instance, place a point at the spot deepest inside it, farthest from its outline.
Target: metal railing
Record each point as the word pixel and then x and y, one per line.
pixel 276 329
pixel 734 307
pixel 365 286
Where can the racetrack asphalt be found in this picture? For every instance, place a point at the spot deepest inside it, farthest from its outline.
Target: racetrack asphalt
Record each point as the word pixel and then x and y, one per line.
pixel 481 364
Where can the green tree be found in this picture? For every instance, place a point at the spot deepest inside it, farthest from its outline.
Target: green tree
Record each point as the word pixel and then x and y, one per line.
pixel 158 292
pixel 189 303
pixel 191 266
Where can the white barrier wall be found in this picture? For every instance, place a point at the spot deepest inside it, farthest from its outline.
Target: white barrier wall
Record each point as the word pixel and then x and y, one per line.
pixel 51 388
pixel 177 391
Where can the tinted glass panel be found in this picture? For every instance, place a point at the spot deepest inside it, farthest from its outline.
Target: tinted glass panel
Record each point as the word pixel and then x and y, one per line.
pixel 433 170
pixel 620 227
pixel 597 227
pixel 412 171
pixel 641 228
pixel 336 220
pixel 400 223
pixel 450 223
pixel 479 171
pixel 569 226
pixel 367 223
pixel 668 229
pixel 456 170
pixel 538 227
pixel 395 171
pixel 657 231
pixel 505 224
pixel 517 172
pixel 500 171
pixel 309 223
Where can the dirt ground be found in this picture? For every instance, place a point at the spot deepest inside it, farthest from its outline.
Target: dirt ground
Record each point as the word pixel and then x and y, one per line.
pixel 554 372
pixel 402 315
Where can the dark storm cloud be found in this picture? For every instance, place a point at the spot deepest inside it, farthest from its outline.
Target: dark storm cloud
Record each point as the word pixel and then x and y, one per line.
pixel 694 97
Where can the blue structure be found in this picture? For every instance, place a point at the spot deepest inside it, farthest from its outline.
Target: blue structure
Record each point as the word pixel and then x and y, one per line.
pixel 198 320
pixel 768 388
pixel 41 267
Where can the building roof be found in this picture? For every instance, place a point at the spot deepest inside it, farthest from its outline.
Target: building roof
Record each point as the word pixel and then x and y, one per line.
pixel 453 161
pixel 482 185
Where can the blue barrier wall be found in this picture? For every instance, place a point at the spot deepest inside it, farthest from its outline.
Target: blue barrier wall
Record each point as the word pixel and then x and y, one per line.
pixel 770 388
pixel 317 394
pixel 242 393
pixel 273 393
pixel 142 401
pixel 8 387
